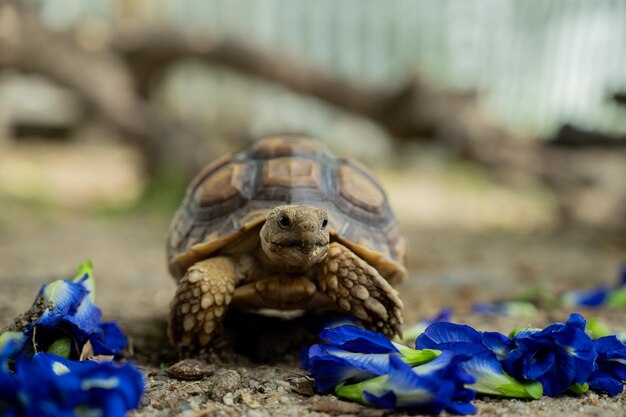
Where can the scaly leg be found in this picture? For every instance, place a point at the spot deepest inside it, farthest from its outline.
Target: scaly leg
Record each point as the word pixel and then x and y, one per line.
pixel 357 288
pixel 200 302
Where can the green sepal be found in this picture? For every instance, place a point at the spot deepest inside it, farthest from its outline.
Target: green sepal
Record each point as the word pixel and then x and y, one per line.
pixel 507 386
pixel 354 392
pixel 521 309
pixel 579 389
pixel 516 330
pixel 617 298
pixel 597 329
pixel 61 347
pixel 415 357
pixel 86 268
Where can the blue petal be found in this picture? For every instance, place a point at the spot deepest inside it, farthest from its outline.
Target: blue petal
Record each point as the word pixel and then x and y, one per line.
pixel 443 332
pixel 439 363
pixel 498 343
pixel 444 315
pixel 610 347
pixel 11 344
pixel 483 365
pixel 577 344
pixel 67 385
pixel 560 377
pixel 387 400
pixel 576 320
pixel 356 339
pixel 330 365
pixel 539 364
pixel 461 408
pixel 402 377
pixel 588 298
pixel 65 298
pixel 524 334
pixel 63 293
pixel 442 380
pixel 373 363
pixel 606 383
pixel 328 371
pixel 86 318
pixel 611 365
pixel 108 340
pixel 430 387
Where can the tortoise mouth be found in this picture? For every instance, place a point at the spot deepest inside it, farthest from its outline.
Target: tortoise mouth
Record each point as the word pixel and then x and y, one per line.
pixel 298 253
pixel 301 244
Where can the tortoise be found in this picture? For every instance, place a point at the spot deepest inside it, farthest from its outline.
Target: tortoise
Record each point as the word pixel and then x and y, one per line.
pixel 284 225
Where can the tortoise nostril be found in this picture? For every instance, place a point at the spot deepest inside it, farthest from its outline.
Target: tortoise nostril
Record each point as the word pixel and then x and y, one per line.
pixel 309 226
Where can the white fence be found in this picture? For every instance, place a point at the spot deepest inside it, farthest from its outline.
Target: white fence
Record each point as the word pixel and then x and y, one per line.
pixel 539 63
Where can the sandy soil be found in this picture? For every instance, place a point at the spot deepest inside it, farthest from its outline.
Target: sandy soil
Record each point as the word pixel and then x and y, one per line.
pixel 450 268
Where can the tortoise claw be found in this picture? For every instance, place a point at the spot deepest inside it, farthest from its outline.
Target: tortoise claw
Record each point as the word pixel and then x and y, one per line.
pixel 357 288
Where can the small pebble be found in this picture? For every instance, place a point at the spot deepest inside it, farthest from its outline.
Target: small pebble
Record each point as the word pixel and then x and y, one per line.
pixel 189 369
pixel 228 399
pixel 224 381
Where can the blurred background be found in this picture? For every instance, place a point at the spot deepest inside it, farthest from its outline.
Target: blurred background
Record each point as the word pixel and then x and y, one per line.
pixel 498 128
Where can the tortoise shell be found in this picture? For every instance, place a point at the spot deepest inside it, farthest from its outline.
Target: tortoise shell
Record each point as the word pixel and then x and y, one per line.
pixel 233 195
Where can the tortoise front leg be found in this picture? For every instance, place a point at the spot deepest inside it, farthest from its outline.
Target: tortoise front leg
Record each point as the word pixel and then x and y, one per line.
pixel 357 288
pixel 200 302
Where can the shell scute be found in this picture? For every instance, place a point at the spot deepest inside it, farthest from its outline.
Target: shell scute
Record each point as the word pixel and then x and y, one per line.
pixel 225 183
pixel 274 147
pixel 360 190
pixel 292 171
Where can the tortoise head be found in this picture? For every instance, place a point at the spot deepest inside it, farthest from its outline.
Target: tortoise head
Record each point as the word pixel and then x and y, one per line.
pixel 295 236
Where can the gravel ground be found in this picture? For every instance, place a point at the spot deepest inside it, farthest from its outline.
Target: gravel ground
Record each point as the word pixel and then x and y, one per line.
pixel 450 268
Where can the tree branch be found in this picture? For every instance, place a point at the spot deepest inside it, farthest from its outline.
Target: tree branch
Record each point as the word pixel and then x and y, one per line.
pixel 416 111
pixel 100 78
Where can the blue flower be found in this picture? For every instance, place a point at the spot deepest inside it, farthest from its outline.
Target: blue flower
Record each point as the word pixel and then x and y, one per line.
pixel 506 308
pixel 65 308
pixel 558 356
pixel 352 353
pixel 618 297
pixel 611 366
pixel 64 320
pixel 602 295
pixel 429 388
pixel 587 298
pixel 482 351
pixel 48 385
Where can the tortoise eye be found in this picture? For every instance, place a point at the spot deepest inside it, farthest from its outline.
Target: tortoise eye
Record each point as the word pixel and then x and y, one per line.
pixel 284 221
pixel 324 223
